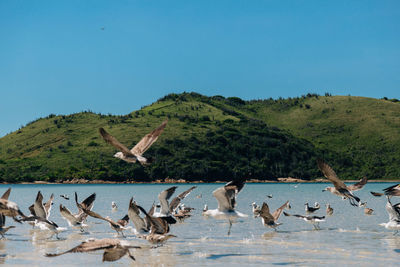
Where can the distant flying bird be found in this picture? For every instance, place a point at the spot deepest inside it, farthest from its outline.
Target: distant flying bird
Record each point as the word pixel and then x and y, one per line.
pixel 114 249
pixel 135 154
pixel 394 216
pixel 226 197
pixel 339 188
pixel 269 219
pixel 102 28
pixel 314 220
pixel 65 197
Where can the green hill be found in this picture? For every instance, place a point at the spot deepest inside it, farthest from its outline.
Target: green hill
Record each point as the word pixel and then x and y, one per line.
pixel 214 138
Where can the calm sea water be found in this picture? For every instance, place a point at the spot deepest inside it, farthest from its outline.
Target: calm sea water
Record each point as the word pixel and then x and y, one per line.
pixel 347 238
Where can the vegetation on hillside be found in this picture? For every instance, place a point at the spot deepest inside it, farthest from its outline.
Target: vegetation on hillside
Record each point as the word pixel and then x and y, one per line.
pixel 214 138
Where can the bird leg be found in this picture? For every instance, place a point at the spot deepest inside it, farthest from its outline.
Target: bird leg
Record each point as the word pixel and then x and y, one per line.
pixel 230 226
pixel 396 232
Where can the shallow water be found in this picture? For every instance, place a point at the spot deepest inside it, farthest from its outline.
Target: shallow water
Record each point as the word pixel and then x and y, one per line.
pixel 347 238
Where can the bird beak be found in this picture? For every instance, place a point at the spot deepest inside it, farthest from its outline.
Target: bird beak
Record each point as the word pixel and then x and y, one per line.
pixel 323 190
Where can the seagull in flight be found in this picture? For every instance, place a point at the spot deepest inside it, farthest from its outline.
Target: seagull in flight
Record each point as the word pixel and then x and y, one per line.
pixel 393 190
pixel 394 216
pixel 314 220
pixel 134 154
pixel 269 219
pixel 226 197
pixel 114 249
pixel 339 189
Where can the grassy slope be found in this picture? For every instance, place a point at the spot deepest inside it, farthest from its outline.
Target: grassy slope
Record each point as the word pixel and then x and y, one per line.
pixel 361 133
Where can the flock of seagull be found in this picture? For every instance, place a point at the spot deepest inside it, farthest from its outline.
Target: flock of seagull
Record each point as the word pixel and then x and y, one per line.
pixel 154 224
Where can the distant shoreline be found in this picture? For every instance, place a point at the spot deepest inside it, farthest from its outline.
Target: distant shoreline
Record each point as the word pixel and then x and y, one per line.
pixel 181 181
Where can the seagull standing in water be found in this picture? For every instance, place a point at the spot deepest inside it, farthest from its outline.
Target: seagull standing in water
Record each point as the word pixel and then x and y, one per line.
pixel 226 197
pixel 339 189
pixel 134 154
pixel 329 210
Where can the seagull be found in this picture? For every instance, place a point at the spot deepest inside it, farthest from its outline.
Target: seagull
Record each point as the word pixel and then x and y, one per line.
pixel 255 209
pixel 86 204
pixel 339 188
pixel 177 200
pixel 3 229
pixel 165 207
pixel 114 206
pixel 157 239
pixel 135 154
pixel 141 226
pixel 393 190
pixel 65 197
pixel 114 249
pixel 118 226
pixel 42 212
pixel 394 216
pixel 312 209
pixel 269 219
pixel 73 220
pixel 158 229
pixel 226 197
pixel 314 220
pixel 368 211
pixel 157 225
pixel 269 196
pixel 182 212
pixel 329 209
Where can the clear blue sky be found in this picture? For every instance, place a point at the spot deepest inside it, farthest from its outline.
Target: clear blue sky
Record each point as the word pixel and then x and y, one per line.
pixel 56 58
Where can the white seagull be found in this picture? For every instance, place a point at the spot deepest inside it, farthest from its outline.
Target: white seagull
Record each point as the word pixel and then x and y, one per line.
pixel 134 154
pixel 394 216
pixel 226 197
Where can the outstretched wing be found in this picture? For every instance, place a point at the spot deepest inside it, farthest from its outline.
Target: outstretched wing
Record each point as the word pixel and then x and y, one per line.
pixel 114 142
pixel 47 206
pixel 175 202
pixel 358 185
pixel 164 196
pixel 278 211
pixel 266 214
pixel 148 140
pixel 330 174
pixel 6 194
